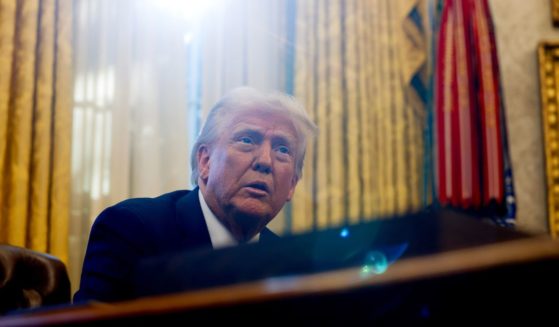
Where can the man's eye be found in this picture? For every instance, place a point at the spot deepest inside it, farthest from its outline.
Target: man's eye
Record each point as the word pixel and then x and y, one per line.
pixel 245 140
pixel 283 149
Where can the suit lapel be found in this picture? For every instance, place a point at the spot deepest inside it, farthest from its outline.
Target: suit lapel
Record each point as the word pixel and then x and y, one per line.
pixel 267 235
pixel 190 220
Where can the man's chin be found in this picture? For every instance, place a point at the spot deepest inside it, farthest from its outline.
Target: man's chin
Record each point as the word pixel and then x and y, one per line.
pixel 255 209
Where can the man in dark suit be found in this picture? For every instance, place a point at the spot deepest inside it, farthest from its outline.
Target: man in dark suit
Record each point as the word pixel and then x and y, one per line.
pixel 246 163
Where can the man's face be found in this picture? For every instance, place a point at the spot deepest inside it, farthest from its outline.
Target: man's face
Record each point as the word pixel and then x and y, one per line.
pixel 249 173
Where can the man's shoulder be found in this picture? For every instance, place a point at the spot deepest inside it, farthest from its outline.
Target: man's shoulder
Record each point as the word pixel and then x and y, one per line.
pixel 154 219
pixel 163 200
pixel 143 209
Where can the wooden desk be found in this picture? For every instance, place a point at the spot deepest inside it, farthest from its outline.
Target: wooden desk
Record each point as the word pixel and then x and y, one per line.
pixel 496 282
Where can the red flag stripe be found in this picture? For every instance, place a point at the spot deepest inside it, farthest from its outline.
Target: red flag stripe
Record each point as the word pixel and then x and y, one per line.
pixel 444 105
pixel 490 103
pixel 464 105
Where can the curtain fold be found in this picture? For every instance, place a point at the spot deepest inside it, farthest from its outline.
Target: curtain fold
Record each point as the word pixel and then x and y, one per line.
pixel 358 64
pixel 35 123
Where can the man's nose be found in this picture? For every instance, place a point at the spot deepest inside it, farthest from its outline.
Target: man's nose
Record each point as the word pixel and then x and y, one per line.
pixel 263 159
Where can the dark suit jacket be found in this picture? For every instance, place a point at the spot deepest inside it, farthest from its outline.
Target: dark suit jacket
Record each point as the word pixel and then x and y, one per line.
pixel 135 229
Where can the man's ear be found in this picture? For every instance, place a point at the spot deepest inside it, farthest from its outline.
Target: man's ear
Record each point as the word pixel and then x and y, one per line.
pixel 203 157
pixel 292 189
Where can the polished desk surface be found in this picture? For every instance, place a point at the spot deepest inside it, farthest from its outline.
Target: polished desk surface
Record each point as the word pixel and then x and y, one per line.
pixel 515 273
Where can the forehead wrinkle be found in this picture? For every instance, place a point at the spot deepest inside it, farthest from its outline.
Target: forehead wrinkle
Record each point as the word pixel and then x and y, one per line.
pixel 282 131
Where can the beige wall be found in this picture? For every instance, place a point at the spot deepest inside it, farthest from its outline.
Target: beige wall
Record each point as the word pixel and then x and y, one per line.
pixel 520 26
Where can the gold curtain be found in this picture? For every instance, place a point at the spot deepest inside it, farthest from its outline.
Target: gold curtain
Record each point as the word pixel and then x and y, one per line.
pixel 355 61
pixel 35 123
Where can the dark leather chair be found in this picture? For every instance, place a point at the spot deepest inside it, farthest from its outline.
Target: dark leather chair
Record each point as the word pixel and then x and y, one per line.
pixel 30 279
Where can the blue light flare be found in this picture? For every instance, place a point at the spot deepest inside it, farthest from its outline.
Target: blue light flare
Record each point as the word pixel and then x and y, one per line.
pixel 375 264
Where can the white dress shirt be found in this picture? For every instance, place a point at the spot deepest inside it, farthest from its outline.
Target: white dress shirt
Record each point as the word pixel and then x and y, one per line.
pixel 220 236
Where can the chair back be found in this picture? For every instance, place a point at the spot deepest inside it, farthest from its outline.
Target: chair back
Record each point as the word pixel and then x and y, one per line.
pixel 30 279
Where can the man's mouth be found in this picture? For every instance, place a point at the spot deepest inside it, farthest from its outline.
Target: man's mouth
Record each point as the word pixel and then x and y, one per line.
pixel 258 187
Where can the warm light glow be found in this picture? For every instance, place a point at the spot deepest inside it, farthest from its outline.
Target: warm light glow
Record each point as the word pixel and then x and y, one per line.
pixel 92 122
pixel 189 10
pixel 188 38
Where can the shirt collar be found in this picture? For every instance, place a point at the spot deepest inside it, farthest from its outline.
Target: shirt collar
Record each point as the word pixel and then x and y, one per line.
pixel 220 236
